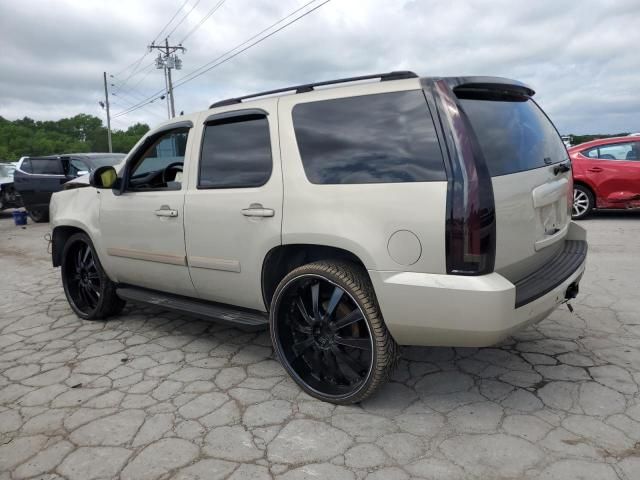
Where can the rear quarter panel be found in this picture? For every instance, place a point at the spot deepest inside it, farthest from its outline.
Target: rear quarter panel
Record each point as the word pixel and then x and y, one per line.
pixel 359 218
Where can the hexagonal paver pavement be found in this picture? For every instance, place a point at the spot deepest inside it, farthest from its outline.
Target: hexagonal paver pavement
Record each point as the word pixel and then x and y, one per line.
pixel 155 395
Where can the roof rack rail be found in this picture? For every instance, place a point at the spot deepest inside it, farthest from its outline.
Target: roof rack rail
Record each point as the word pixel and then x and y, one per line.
pixel 308 87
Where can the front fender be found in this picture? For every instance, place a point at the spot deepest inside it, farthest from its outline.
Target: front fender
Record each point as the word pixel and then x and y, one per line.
pixel 79 208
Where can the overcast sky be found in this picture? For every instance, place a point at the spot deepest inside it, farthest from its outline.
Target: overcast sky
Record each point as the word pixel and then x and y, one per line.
pixel 581 57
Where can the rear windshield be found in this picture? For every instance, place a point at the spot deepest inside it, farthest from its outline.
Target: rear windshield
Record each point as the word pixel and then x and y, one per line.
pixel 514 134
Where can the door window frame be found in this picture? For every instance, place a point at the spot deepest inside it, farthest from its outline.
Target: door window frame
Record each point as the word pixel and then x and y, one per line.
pixel 142 149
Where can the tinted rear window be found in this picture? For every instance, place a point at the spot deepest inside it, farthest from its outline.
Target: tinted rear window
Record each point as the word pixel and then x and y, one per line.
pixel 382 138
pixel 46 166
pixel 514 134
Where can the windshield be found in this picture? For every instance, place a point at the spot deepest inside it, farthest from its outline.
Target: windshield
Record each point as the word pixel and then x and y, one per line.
pixel 514 134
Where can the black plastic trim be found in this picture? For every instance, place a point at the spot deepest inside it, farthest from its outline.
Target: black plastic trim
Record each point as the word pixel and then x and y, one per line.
pixel 308 87
pixel 553 273
pixel 217 311
pixel 172 126
pixel 245 112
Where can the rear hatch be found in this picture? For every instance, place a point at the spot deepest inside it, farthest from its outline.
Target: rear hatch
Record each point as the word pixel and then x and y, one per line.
pixel 532 186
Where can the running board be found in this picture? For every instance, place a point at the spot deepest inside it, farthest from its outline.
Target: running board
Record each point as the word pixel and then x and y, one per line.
pixel 198 308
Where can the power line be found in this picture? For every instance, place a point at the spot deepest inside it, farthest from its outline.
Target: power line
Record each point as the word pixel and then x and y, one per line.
pixel 211 65
pixel 183 18
pixel 208 66
pixel 138 61
pixel 169 22
pixel 204 19
pixel 125 98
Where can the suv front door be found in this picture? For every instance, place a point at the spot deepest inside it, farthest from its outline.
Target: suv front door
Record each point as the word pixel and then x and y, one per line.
pixel 233 208
pixel 142 225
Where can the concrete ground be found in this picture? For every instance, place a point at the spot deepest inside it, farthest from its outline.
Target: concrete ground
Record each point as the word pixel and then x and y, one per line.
pixel 152 394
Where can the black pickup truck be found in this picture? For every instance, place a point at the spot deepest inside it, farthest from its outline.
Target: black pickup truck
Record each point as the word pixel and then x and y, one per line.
pixel 37 178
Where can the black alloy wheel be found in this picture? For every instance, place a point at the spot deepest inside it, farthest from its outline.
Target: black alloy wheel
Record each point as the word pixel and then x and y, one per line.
pixel 329 334
pixel 89 291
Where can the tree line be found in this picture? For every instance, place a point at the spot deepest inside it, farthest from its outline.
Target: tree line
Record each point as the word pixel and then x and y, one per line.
pixel 578 139
pixel 81 133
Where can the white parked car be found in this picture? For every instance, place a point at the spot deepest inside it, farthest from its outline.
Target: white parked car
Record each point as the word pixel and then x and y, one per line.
pixel 374 212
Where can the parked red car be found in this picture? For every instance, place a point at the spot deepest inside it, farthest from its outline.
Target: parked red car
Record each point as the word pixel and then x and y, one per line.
pixel 606 174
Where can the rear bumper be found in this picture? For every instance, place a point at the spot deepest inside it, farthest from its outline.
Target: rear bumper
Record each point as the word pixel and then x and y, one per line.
pixel 450 310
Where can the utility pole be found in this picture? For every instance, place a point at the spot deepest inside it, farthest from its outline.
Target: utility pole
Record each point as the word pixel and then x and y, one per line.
pixel 106 102
pixel 168 60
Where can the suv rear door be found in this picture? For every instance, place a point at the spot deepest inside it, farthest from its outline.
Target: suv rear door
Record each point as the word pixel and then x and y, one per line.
pixel 233 207
pixel 37 179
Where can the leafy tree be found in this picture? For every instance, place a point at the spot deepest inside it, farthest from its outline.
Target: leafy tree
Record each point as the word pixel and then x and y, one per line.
pixel 81 133
pixel 578 139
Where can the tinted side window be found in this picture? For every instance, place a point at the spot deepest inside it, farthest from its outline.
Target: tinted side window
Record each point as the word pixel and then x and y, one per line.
pixel 382 138
pixel 236 153
pixel 514 134
pixel 25 166
pixel 46 166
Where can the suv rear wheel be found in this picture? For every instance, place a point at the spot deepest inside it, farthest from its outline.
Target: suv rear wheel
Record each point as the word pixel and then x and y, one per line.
pixel 329 334
pixel 583 202
pixel 90 293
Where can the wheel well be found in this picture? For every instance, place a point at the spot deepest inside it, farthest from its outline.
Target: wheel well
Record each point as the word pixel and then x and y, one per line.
pixel 58 239
pixel 585 185
pixel 281 260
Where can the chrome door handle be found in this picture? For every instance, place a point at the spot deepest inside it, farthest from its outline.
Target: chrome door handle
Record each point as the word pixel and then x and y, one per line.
pixel 257 210
pixel 166 211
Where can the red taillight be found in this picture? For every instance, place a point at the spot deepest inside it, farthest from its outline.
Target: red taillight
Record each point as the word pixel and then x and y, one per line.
pixel 471 221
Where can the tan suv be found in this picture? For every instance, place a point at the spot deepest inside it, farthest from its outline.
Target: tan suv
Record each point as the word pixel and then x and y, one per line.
pixel 351 216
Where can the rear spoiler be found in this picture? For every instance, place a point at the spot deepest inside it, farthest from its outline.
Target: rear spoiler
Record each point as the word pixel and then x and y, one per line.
pixel 489 84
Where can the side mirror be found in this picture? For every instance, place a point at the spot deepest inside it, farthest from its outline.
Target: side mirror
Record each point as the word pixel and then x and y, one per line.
pixel 103 177
pixel 82 172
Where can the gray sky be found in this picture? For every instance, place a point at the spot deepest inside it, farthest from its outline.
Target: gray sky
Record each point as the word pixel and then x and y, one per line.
pixel 582 57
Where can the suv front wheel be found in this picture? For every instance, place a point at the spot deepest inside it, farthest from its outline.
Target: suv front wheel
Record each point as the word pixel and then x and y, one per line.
pixel 90 293
pixel 328 332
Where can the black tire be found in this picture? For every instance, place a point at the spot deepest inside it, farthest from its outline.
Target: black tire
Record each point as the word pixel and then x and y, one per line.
pixel 583 202
pixel 90 293
pixel 313 347
pixel 38 215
